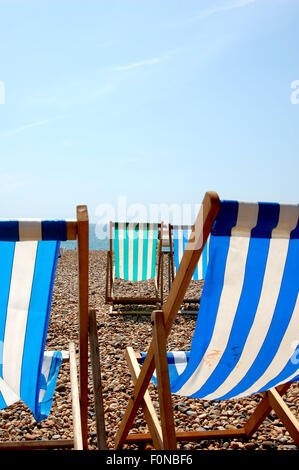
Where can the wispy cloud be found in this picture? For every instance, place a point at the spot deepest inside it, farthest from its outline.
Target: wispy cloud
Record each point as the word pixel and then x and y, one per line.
pixel 221 8
pixel 141 63
pixel 17 130
pixel 147 62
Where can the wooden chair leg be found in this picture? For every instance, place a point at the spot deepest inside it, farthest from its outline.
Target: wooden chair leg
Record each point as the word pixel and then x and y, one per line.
pixel 284 413
pixel 273 401
pixel 161 363
pixel 97 382
pixel 77 429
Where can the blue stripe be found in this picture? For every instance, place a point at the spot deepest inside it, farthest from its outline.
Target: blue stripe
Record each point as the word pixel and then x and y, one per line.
pixel 295 232
pixel 282 315
pixel 245 314
pixel 46 404
pixel 204 256
pixel 54 230
pixel 268 217
pixel 291 367
pixel 226 218
pixel 176 249
pixel 6 261
pixel 9 230
pixel 2 402
pixel 37 323
pixel 211 295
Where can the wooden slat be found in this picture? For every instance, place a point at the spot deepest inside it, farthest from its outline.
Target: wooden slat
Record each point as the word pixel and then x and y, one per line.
pixel 162 373
pixel 134 300
pixel 284 413
pixel 206 218
pixel 83 257
pixel 71 229
pixel 192 435
pixel 36 445
pixel 261 412
pixel 146 404
pixel 77 429
pixel 97 381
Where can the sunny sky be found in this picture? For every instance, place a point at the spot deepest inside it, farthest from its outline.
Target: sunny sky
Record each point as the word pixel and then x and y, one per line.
pixel 152 101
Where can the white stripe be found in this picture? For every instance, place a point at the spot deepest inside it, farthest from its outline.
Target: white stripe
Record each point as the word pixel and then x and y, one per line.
pixel 229 300
pixel 46 367
pixel 142 229
pixel 8 395
pixel 288 219
pixel 121 249
pixel 247 219
pixel 180 361
pixel 199 268
pixel 282 357
pixel 131 234
pixel 288 379
pixel 17 312
pixel 150 251
pixel 30 230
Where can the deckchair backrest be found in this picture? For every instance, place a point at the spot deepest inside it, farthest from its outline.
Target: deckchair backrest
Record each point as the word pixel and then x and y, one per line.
pixel 135 250
pixel 28 256
pixel 247 329
pixel 180 236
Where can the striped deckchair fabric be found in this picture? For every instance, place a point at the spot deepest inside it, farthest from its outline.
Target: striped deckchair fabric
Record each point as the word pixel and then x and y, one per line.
pixel 180 237
pixel 246 336
pixel 134 255
pixel 27 277
pixel 249 306
pixel 135 250
pixel 29 251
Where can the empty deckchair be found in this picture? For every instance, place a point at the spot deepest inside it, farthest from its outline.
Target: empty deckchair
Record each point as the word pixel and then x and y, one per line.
pixel 179 236
pixel 248 317
pixel 134 255
pixel 29 251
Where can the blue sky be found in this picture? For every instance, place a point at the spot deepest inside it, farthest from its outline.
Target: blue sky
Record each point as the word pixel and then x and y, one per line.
pixel 153 101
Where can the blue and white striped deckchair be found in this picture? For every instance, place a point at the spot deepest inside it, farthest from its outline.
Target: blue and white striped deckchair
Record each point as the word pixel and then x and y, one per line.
pixel 29 251
pixel 246 337
pixel 180 236
pixel 135 248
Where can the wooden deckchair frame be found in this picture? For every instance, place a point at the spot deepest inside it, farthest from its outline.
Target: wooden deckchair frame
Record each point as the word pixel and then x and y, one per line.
pixel 76 230
pixel 164 436
pixel 113 300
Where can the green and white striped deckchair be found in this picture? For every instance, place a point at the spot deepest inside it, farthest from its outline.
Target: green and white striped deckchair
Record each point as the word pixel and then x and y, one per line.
pixel 134 251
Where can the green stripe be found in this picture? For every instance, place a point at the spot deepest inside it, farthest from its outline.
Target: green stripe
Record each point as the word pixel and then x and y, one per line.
pixel 136 240
pixel 126 253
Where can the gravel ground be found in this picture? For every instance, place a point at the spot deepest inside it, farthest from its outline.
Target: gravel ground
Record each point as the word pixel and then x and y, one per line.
pixel 115 333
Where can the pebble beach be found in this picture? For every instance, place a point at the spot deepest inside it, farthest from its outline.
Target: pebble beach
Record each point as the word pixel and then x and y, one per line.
pixel 115 333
